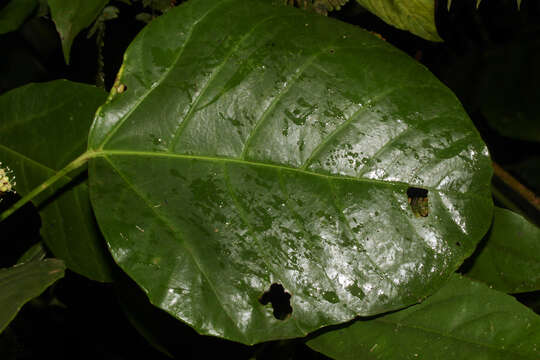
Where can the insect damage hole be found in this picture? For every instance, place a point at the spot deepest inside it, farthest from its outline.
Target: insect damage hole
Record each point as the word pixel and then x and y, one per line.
pixel 418 200
pixel 280 300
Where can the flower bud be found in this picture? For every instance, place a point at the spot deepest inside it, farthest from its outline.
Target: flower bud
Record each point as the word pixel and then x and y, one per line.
pixel 6 183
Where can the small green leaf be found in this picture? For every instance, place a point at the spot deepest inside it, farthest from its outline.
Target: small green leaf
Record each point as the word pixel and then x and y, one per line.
pixel 416 16
pixel 15 13
pixel 463 320
pixel 37 252
pixel 21 283
pixel 510 259
pixel 42 128
pixel 251 172
pixel 71 16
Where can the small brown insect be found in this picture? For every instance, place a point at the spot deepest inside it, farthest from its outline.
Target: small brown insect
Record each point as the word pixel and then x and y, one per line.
pixel 419 206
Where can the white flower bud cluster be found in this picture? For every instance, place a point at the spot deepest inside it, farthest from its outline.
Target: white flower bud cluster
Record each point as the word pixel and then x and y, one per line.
pixel 6 184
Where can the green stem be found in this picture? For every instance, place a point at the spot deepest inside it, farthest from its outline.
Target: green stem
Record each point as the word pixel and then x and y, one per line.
pixel 518 188
pixel 81 160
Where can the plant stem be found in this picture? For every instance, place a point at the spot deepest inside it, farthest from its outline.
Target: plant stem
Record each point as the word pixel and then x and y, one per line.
pixel 504 200
pixel 81 160
pixel 516 186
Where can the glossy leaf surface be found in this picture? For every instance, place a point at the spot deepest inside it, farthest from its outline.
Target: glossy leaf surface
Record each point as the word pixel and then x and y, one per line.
pixel 463 320
pixel 42 128
pixel 21 283
pixel 14 13
pixel 247 144
pixel 71 16
pixel 416 16
pixel 509 261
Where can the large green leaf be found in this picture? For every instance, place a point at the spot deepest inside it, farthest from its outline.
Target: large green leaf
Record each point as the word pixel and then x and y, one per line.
pixel 510 259
pixel 246 144
pixel 416 16
pixel 14 13
pixel 21 283
pixel 463 320
pixel 42 128
pixel 71 16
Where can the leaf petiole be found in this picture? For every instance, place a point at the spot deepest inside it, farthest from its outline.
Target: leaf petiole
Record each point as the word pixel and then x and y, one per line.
pixel 79 161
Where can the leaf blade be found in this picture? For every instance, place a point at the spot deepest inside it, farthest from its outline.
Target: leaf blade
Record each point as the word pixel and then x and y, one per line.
pixel 72 16
pixel 463 319
pixel 509 260
pixel 216 184
pixel 58 112
pixel 21 283
pixel 15 13
pixel 416 16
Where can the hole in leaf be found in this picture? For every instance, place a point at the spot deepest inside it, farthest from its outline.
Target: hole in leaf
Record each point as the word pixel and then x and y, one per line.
pixel 458 243
pixel 418 200
pixel 280 300
pixel 332 51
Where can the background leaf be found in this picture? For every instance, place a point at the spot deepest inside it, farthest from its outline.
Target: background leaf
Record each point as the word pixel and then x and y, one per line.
pixel 498 77
pixel 170 336
pixel 463 320
pixel 15 13
pixel 21 283
pixel 416 16
pixel 507 88
pixel 36 252
pixel 247 144
pixel 71 16
pixel 510 258
pixel 42 128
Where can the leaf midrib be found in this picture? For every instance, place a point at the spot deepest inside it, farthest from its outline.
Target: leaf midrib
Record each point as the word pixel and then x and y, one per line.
pixel 106 153
pixel 168 224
